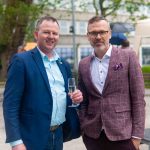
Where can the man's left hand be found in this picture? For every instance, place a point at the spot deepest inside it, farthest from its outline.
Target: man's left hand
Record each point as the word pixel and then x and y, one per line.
pixel 76 96
pixel 136 142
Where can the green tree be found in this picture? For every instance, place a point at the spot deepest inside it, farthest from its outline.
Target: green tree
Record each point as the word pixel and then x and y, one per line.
pixel 16 16
pixel 132 7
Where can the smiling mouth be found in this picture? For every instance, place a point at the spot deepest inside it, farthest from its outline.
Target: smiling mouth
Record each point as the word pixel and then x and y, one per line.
pixel 50 42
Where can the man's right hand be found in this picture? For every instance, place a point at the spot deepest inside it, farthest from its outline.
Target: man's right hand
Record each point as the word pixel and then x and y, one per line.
pixel 19 147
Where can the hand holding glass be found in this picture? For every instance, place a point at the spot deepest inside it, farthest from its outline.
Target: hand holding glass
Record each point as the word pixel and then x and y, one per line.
pixel 72 88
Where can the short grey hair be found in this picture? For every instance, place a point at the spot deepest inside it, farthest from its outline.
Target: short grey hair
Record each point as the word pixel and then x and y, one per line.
pixel 47 18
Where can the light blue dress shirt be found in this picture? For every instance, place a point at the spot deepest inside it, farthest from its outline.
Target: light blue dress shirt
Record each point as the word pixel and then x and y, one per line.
pixel 57 86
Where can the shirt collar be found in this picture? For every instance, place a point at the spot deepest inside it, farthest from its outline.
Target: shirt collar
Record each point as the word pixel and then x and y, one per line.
pixel 108 53
pixel 44 56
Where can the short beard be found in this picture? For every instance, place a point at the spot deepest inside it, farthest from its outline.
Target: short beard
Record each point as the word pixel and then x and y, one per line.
pixel 100 52
pixel 102 48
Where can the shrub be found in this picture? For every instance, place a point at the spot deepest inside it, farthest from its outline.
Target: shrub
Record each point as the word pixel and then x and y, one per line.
pixel 146 75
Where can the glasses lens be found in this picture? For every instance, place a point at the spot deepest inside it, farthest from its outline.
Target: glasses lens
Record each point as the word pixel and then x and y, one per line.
pixel 95 34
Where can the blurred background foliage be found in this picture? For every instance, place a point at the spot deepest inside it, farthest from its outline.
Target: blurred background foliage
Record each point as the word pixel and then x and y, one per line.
pixel 146 75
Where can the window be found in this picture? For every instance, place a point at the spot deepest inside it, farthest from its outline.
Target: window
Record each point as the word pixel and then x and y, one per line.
pixel 82 27
pixel 145 55
pixel 67 53
pixel 64 27
pixel 85 51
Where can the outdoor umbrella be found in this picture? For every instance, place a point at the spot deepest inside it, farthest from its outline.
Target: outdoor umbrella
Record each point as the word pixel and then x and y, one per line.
pixel 120 27
pixel 117 38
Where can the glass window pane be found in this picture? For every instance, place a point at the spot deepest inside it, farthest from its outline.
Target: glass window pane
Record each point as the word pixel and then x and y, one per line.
pixel 86 51
pixel 145 55
pixel 67 53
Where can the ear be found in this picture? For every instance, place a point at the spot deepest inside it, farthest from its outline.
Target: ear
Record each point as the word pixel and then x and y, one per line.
pixel 110 33
pixel 36 35
pixel 88 37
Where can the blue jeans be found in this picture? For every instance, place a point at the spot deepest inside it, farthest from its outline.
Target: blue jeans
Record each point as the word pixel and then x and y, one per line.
pixel 55 141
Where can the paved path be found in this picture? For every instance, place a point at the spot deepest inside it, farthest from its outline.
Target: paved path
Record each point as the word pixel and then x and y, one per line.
pixel 74 144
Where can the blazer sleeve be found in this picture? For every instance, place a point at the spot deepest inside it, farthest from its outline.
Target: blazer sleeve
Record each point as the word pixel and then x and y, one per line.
pixel 84 104
pixel 136 83
pixel 12 98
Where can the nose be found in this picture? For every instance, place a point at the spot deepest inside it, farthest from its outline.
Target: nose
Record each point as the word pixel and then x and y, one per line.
pixel 98 35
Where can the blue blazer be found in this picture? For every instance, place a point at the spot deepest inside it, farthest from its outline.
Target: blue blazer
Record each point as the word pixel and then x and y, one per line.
pixel 27 104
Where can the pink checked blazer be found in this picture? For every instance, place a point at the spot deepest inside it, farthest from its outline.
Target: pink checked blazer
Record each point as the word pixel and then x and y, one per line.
pixel 120 109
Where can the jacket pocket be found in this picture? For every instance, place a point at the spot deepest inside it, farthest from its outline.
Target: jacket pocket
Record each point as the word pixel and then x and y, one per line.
pixel 123 112
pixel 122 109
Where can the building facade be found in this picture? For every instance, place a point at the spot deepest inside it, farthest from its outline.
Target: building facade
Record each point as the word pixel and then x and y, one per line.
pixel 66 44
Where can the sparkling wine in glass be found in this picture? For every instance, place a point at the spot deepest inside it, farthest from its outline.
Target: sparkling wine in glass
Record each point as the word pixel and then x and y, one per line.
pixel 72 88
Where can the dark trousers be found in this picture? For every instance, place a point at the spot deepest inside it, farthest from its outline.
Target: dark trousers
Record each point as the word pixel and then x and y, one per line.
pixel 55 141
pixel 103 143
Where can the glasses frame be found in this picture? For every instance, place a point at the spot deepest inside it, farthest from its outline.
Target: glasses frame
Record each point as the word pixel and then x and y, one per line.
pixel 94 34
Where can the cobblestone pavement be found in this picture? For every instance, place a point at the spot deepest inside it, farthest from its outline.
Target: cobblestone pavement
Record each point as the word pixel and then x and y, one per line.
pixel 77 143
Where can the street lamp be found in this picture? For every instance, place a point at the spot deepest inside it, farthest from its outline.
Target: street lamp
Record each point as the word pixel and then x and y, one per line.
pixel 73 30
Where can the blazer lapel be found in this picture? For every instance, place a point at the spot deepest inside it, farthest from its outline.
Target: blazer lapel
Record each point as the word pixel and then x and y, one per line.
pixel 88 77
pixel 113 61
pixel 37 57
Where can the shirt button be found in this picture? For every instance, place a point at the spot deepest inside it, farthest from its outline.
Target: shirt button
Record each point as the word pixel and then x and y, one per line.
pixel 101 82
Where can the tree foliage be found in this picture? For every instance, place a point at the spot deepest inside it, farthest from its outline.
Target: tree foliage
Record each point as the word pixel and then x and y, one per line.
pixel 16 17
pixel 134 8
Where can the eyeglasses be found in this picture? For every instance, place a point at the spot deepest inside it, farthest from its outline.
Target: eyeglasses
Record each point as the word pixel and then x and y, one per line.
pixel 95 34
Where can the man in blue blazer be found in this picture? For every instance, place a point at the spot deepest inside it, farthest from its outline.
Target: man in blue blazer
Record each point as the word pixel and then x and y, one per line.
pixel 36 112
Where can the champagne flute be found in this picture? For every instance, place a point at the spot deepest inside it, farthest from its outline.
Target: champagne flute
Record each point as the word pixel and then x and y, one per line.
pixel 72 88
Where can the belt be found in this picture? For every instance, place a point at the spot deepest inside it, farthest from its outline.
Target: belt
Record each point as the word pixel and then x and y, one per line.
pixel 53 128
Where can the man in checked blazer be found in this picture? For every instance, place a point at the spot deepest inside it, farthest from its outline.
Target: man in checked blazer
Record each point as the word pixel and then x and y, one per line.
pixel 112 114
